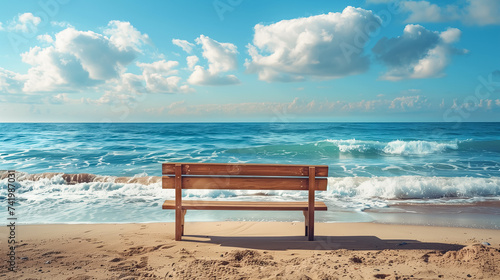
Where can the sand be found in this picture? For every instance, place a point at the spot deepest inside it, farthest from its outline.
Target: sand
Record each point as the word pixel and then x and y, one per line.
pixel 252 250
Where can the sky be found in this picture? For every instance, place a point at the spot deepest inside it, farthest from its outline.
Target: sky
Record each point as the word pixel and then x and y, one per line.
pixel 242 60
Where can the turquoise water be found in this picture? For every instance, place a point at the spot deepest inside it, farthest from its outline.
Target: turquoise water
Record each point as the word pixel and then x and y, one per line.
pixel 372 166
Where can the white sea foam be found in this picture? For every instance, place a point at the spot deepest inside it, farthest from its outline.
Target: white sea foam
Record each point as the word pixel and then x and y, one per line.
pixel 116 199
pixel 413 187
pixel 399 147
pixel 350 145
pixel 396 147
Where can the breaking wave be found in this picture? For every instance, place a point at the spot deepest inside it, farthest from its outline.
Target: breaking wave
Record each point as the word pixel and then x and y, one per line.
pixel 89 198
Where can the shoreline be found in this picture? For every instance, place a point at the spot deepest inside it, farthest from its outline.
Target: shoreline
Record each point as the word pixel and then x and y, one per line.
pixel 253 250
pixel 478 215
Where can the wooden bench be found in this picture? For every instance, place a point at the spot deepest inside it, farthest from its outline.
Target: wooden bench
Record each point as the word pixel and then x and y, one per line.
pixel 237 176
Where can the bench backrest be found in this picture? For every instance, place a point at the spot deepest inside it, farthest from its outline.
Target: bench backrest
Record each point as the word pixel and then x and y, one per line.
pixel 243 176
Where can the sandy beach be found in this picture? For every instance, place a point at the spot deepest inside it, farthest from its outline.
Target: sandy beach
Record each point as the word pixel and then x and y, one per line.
pixel 252 250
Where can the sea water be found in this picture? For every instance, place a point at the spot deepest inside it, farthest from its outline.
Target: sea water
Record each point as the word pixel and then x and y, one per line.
pixel 372 166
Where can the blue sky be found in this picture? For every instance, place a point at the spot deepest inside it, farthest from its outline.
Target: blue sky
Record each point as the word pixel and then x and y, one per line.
pixel 241 60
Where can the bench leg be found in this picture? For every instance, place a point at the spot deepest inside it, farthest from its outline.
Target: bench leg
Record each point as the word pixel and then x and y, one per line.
pixel 309 221
pixel 306 218
pixel 178 224
pixel 310 225
pixel 183 218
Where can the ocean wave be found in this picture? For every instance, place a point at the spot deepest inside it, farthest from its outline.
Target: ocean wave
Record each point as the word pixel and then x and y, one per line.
pixel 86 198
pixel 418 147
pixel 389 188
pixel 354 147
pixel 72 179
pixel 413 187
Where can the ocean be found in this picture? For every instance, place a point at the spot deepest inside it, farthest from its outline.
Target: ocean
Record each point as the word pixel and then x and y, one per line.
pixel 402 171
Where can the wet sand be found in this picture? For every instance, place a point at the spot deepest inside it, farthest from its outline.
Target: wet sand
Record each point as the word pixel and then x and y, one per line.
pixel 484 214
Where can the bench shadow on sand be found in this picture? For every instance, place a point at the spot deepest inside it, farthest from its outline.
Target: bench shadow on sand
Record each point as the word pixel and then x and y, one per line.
pixel 320 243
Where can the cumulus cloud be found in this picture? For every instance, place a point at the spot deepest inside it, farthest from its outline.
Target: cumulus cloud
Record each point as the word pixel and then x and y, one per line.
pixel 1 26
pixel 323 46
pixel 128 89
pixel 185 45
pixel 200 76
pixel 424 11
pixel 473 12
pixel 221 57
pixel 26 23
pixel 78 59
pixel 125 37
pixel 191 61
pixel 160 77
pixel 161 66
pixel 418 53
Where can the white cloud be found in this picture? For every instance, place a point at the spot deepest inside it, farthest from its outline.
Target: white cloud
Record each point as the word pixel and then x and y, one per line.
pixel 323 46
pixel 418 53
pixel 130 84
pixel 10 82
pixel 475 105
pixel 221 57
pixel 191 61
pixel 26 23
pixel 405 103
pixel 300 107
pixel 114 98
pixel 128 89
pixel 1 26
pixel 161 66
pixel 125 37
pixel 185 45
pixel 159 77
pixel 54 71
pixel 63 98
pixel 451 35
pixel 424 11
pixel 483 12
pixel 473 12
pixel 200 76
pixel 45 38
pixel 79 59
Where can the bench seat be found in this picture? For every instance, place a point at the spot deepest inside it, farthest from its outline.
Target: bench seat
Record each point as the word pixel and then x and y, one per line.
pixel 244 205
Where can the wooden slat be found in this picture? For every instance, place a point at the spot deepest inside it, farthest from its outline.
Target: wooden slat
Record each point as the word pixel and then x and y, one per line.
pixel 244 169
pixel 244 205
pixel 244 183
